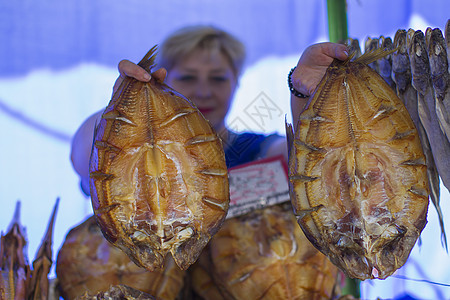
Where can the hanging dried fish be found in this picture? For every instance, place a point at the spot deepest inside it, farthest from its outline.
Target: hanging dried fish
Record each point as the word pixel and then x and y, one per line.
pixel 38 287
pixel 421 81
pixel 447 39
pixel 159 181
pixel 370 45
pixel 14 267
pixel 401 73
pixel 357 172
pixel 265 255
pixel 440 76
pixel 385 63
pixel 88 263
pixel 353 47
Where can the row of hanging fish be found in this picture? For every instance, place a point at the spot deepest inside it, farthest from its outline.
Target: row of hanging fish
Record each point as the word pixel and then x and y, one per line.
pixel 361 158
pixel 19 280
pixel 419 73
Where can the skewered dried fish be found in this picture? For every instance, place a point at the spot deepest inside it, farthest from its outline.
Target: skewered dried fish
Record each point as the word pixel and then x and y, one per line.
pixel 385 63
pixel 158 175
pixel 264 255
pixel 401 73
pixel 440 76
pixel 421 81
pixel 88 263
pixel 357 172
pixel 119 292
pixel 14 267
pixel 38 287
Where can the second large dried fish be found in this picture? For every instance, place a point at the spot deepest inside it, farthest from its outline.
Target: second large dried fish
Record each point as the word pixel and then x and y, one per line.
pixel 357 172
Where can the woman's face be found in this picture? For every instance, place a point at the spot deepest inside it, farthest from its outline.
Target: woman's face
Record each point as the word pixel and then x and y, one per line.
pixel 208 80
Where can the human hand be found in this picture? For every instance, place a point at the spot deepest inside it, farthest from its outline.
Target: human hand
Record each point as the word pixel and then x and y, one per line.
pixel 313 63
pixel 130 69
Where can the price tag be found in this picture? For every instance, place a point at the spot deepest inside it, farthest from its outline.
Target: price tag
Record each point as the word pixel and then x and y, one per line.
pixel 257 185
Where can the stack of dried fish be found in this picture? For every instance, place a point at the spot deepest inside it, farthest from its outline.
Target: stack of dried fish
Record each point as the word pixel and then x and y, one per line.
pixel 88 264
pixel 18 280
pixel 263 255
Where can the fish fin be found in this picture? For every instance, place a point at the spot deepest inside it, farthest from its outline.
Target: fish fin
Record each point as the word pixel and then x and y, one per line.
pixel 289 135
pixel 148 61
pixel 371 56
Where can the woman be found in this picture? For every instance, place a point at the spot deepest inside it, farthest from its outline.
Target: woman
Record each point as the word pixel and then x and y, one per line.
pixel 204 64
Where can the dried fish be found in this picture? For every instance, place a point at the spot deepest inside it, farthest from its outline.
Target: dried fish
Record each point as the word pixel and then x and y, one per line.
pixel 370 45
pixel 385 63
pixel 14 266
pixel 447 40
pixel 38 287
pixel 159 180
pixel 357 172
pixel 353 47
pixel 440 76
pixel 88 264
pixel 202 282
pixel 401 73
pixel 421 81
pixel 265 255
pixel 120 291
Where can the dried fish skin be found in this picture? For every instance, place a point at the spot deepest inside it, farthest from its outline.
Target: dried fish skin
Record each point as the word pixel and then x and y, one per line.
pixel 88 263
pixel 265 255
pixel 357 172
pixel 159 181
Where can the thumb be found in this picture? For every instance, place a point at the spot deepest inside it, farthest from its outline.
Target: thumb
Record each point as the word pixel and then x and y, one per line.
pixel 338 51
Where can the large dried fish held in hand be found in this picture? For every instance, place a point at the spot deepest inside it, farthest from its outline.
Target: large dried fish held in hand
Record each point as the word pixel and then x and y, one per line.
pixel 357 172
pixel 158 175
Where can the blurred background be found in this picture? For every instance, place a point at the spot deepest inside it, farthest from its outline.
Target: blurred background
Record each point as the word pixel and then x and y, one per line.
pixel 58 63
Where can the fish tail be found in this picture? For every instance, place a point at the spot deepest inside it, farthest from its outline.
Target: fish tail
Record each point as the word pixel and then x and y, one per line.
pixel 148 61
pixel 371 56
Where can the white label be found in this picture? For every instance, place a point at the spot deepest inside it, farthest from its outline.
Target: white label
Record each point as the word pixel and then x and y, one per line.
pixel 257 185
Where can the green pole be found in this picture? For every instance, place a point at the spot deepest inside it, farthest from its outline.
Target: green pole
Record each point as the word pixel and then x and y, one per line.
pixel 337 20
pixel 352 288
pixel 338 33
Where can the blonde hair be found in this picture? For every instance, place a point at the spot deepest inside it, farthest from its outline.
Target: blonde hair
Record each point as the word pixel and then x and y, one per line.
pixel 188 39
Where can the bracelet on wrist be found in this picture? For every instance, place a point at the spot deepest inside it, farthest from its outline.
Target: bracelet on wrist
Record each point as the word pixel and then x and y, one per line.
pixel 291 86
